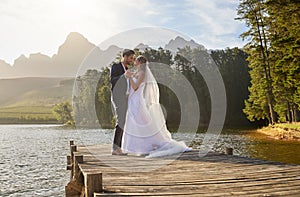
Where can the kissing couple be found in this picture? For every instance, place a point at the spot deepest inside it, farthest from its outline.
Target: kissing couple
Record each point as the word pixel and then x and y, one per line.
pixel 140 123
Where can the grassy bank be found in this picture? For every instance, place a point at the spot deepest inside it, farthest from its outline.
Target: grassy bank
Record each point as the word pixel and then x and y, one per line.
pixel 282 131
pixel 27 115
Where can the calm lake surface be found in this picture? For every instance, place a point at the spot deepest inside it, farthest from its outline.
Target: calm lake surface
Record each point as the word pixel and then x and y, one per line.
pixel 33 157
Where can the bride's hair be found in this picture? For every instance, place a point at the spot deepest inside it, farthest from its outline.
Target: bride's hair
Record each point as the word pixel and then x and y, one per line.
pixel 143 60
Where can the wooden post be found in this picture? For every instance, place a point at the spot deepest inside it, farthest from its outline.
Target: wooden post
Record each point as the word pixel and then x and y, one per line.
pixel 92 183
pixel 69 158
pixel 68 162
pixel 78 158
pixel 73 149
pixel 76 174
pixel 228 151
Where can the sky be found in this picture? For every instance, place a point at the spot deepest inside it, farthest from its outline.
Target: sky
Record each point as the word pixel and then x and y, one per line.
pixel 31 26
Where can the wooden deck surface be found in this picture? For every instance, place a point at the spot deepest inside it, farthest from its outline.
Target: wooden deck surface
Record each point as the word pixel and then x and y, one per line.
pixel 187 174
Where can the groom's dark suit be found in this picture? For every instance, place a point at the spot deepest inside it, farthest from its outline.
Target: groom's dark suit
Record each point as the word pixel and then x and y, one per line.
pixel 118 88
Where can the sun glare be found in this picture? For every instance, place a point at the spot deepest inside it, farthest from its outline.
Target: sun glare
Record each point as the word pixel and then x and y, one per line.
pixel 71 9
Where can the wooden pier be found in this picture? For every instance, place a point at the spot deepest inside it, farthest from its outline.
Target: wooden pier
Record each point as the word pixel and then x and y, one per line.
pixel 95 172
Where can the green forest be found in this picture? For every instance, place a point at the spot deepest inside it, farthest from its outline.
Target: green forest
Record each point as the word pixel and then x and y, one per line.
pixel 274 50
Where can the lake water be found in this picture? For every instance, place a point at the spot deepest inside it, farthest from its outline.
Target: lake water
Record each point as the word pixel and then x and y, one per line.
pixel 33 157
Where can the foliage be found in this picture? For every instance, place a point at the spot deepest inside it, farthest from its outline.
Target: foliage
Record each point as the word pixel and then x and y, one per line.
pixel 273 48
pixel 261 90
pixel 233 67
pixel 285 45
pixel 63 113
pixel 85 99
pixel 103 100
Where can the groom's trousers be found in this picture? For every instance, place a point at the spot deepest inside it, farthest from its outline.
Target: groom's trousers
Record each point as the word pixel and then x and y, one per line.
pixel 120 104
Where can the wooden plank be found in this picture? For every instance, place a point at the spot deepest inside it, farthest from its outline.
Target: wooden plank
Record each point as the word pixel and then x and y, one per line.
pixel 267 191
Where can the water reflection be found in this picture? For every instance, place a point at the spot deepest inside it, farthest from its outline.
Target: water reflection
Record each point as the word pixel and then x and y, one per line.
pixel 266 148
pixel 256 145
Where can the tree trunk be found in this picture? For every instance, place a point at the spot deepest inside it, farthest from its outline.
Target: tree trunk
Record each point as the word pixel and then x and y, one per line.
pixel 266 67
pixel 295 113
pixel 289 112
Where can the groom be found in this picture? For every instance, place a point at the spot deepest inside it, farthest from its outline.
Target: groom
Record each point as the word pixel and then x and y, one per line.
pixel 120 89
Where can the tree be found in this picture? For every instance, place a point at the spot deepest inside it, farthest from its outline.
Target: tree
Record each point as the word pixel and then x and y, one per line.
pixel 63 113
pixel 235 72
pixel 254 13
pixel 285 46
pixel 167 97
pixel 103 100
pixel 84 100
pixel 185 61
pixel 160 55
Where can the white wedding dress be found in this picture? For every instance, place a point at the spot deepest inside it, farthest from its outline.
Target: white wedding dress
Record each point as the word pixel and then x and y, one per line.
pixel 145 130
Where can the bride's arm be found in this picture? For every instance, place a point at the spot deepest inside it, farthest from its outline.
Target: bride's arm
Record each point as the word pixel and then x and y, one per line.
pixel 135 85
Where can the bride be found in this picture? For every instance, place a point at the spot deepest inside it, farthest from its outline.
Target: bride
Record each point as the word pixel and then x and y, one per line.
pixel 145 130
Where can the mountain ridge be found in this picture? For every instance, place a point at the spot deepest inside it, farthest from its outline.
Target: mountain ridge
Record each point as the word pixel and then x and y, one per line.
pixel 70 56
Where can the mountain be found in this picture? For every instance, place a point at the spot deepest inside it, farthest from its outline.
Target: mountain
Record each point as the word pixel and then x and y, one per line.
pixel 67 62
pixel 35 65
pixel 5 69
pixel 70 55
pixel 74 57
pixel 142 47
pixel 180 42
pixel 174 44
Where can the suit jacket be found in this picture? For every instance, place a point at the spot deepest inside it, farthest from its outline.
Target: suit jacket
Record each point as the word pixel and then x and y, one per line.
pixel 117 79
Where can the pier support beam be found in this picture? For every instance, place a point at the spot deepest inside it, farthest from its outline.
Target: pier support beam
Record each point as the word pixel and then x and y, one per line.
pixel 77 175
pixel 92 183
pixel 75 187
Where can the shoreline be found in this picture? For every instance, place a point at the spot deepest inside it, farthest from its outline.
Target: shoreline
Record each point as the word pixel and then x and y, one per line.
pixel 282 131
pixel 30 123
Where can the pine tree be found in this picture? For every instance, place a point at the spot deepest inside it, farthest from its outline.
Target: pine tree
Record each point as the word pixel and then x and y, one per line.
pixel 260 103
pixel 285 45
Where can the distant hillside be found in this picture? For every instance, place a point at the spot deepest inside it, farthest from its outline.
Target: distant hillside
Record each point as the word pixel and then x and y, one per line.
pixel 31 99
pixel 34 91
